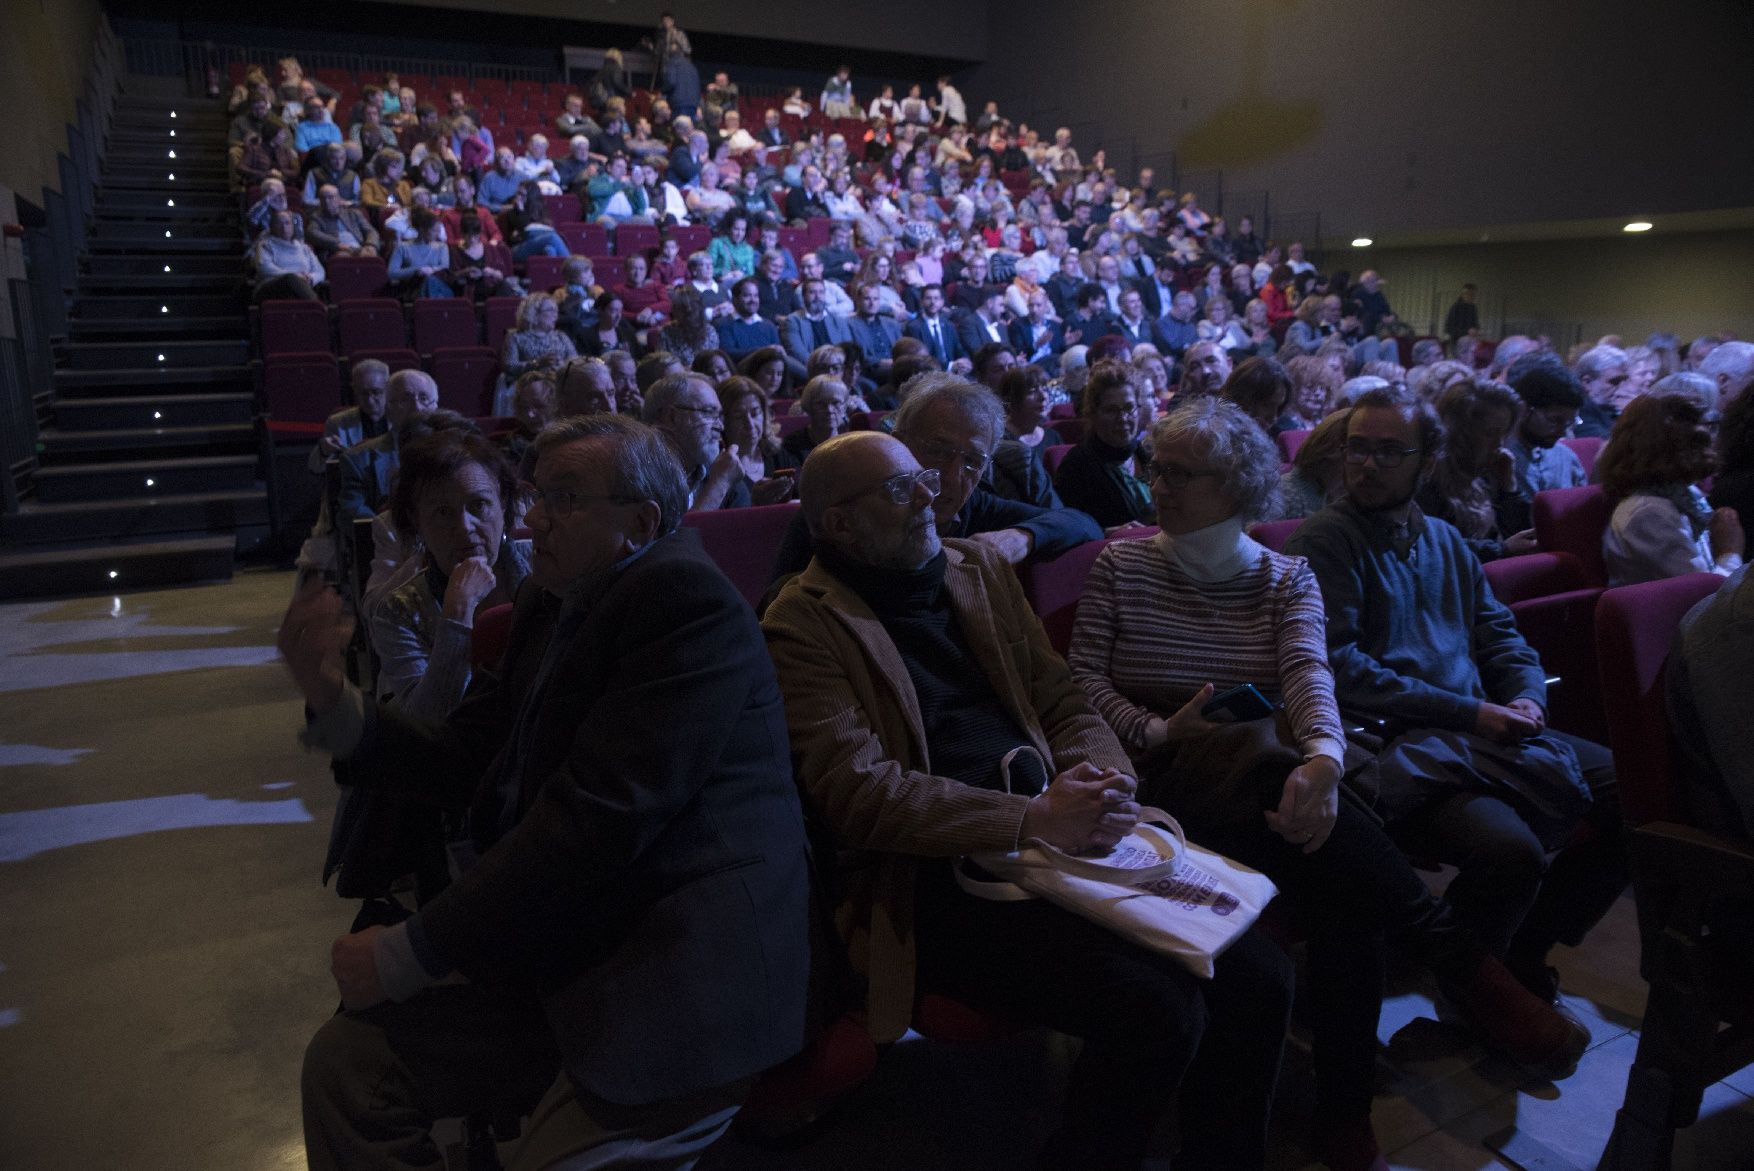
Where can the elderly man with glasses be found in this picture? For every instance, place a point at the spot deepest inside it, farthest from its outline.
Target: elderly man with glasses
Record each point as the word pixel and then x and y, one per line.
pixel 930 719
pixel 686 409
pixel 951 426
pixel 1469 772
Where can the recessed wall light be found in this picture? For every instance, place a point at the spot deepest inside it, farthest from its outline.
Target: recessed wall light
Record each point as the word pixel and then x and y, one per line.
pixel 1363 242
pixel 1637 226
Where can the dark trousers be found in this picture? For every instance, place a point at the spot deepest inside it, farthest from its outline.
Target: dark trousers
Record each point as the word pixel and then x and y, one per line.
pixel 1148 1025
pixel 285 287
pixel 1517 901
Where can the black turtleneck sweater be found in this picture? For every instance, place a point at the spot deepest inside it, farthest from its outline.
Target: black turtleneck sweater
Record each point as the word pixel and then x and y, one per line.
pixel 967 728
pixel 1092 480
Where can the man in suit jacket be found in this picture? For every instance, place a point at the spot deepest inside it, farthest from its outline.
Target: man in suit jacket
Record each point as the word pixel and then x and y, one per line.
pixel 875 333
pixel 1092 319
pixel 770 135
pixel 1159 291
pixel 1038 338
pixel 631 909
pixel 368 468
pixel 812 326
pixel 911 668
pixel 351 426
pixel 779 296
pixel 1133 324
pixel 934 327
pixel 983 327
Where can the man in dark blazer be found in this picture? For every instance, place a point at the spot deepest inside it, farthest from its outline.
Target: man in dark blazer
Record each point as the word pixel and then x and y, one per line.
pixel 875 334
pixel 367 469
pixel 631 908
pixel 1038 338
pixel 934 327
pixel 984 326
pixel 812 326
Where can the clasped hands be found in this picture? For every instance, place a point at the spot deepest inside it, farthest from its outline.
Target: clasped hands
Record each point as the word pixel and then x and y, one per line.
pixel 1084 808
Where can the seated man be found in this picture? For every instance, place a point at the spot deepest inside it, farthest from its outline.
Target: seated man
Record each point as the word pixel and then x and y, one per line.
pixel 316 128
pixel 874 333
pixel 934 327
pixel 499 185
pixel 779 296
pixel 685 409
pixel 572 119
pixel 812 326
pixel 1469 772
pixel 334 229
pixel 1551 396
pixel 334 171
pixel 972 289
pixel 1205 370
pixel 986 325
pixel 1091 318
pixel 953 426
pixel 346 428
pixel 627 937
pixel 840 262
pixel 747 331
pixel 835 298
pixel 911 668
pixel 369 467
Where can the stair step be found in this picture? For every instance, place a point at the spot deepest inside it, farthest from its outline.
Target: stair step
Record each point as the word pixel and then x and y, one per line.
pixel 180 243
pixel 191 514
pixel 115 234
pixel 167 410
pixel 109 356
pixel 168 213
pixel 217 327
pixel 111 568
pixel 139 269
pixel 170 305
pixel 135 443
pixel 129 479
pixel 158 380
pixel 159 180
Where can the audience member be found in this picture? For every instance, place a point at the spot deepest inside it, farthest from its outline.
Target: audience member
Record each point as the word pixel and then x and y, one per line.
pixel 1317 477
pixel 685 409
pixel 1662 525
pixel 1103 475
pixel 1551 396
pixel 766 475
pixel 1261 388
pixel 1474 483
pixel 284 266
pixel 1602 371
pixel 534 340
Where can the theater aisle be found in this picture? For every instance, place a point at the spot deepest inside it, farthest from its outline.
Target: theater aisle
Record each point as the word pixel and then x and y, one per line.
pixel 163 937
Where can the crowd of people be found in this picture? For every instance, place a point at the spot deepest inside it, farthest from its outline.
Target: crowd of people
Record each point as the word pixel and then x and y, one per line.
pixel 606 831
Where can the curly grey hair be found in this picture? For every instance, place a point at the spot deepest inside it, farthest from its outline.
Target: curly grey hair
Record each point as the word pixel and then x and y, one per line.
pixel 923 391
pixel 1247 462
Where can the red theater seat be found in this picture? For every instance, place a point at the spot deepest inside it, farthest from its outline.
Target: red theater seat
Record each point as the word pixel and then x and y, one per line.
pixel 374 323
pixel 501 317
pixel 440 322
pixel 1289 442
pixel 466 376
pixel 743 542
pixel 1052 457
pixel 352 278
pixel 1054 587
pixel 1274 533
pixel 1572 520
pixel 1586 449
pixel 294 327
pixel 300 388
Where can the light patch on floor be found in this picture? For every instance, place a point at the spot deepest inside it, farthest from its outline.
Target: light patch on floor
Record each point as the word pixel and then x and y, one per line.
pixel 27 834
pixel 29 635
pixel 18 754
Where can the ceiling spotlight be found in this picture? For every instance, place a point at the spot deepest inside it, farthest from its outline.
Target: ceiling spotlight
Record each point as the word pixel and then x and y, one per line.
pixel 1363 242
pixel 1637 226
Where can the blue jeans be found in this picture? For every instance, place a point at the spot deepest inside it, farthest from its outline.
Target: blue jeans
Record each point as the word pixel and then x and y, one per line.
pixel 540 244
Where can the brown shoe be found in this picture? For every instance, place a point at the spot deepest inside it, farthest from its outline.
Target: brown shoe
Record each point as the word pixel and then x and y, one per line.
pixel 1517 1024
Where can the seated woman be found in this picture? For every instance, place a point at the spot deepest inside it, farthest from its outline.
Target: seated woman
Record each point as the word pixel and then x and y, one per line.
pixel 1257 328
pixel 612 331
pixel 421 267
pixel 1318 471
pixel 1314 383
pixel 689 332
pixel 746 411
pixel 879 270
pixel 707 202
pixel 480 269
pixel 534 340
pixel 643 300
pixel 824 400
pixel 731 250
pixel 715 364
pixel 527 228
pixel 1103 475
pixel 1162 622
pixel 1017 470
pixel 457 492
pixel 1261 387
pixel 1218 325
pixel 1308 330
pixel 533 407
pixel 766 367
pixel 386 189
pixel 285 265
pixel 1474 485
pixel 1662 525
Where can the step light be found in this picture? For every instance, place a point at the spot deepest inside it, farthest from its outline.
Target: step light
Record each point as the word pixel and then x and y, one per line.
pixel 173 113
pixel 170 203
pixel 167 268
pixel 173 154
pixel 173 134
pixel 167 233
pixel 164 308
pixel 114 575
pixel 149 481
pixel 161 357
pixel 158 414
pixel 171 177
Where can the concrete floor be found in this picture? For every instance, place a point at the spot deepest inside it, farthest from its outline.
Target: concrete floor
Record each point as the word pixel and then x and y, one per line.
pixel 164 943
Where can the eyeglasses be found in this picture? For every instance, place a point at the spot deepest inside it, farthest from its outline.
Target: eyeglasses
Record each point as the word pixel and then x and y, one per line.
pixel 971 461
pixel 1386 455
pixel 566 501
pixel 1174 475
pixel 899 489
pixel 704 412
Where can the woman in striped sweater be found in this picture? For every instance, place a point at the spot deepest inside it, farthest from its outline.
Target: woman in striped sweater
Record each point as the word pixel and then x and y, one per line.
pixel 1163 621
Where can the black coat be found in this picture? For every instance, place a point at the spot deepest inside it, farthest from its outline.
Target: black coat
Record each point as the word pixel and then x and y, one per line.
pixel 653 886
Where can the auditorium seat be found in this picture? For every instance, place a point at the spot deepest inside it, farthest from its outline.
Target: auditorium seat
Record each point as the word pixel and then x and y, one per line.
pixel 1572 520
pixel 399 358
pixel 609 270
pixel 544 273
pixel 784 425
pixel 488 638
pixel 585 239
pixel 444 321
pixel 631 238
pixel 1054 587
pixel 1692 884
pixel 501 315
pixel 466 377
pixel 743 542
pixel 1071 430
pixel 1290 442
pixel 374 323
pixel 691 237
pixel 1586 448
pixel 1274 533
pixel 1052 457
pixel 1534 575
pixel 353 278
pixel 294 327
pixel 300 389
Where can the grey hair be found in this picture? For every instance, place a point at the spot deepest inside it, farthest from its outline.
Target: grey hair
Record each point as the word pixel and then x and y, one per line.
pixel 1427 352
pixel 1246 460
pixel 1699 388
pixel 820 356
pixel 399 382
pixel 1594 361
pixel 816 388
pixel 643 466
pixel 1735 359
pixel 1508 351
pixel 665 391
pixel 368 366
pixel 1353 387
pixel 975 401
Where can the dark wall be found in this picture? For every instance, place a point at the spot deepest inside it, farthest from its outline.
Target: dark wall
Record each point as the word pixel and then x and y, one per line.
pixel 1382 114
pixel 45 59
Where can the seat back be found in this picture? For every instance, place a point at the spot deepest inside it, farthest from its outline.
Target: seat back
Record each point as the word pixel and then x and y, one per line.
pixel 1289 442
pixel 487 641
pixel 562 208
pixel 374 323
pixel 352 278
pixel 1586 449
pixel 743 542
pixel 440 322
pixel 501 316
pixel 544 273
pixel 609 270
pixel 1274 533
pixel 1071 430
pixel 1052 457
pixel 401 358
pixel 1635 627
pixel 1054 587
pixel 301 388
pixel 585 239
pixel 294 327
pixel 1572 520
pixel 631 238
pixel 692 237
pixel 466 376
pixel 784 425
pixel 1534 575
pixel 1560 628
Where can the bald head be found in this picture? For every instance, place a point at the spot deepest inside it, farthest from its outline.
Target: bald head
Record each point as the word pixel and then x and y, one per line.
pixel 845 464
pixel 867 498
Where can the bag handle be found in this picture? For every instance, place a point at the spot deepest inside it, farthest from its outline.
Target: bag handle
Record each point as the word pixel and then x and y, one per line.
pixel 1170 847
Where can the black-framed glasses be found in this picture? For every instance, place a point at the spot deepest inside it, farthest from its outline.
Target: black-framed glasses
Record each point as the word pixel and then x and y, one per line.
pixel 566 501
pixel 899 489
pixel 713 413
pixel 1174 475
pixel 971 461
pixel 1386 455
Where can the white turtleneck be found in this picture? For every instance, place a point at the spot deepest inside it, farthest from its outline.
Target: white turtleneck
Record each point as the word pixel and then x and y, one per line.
pixel 1215 553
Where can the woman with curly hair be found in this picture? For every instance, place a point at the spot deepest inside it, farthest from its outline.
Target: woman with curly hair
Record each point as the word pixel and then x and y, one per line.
pixel 1104 474
pixel 688 332
pixel 1662 525
pixel 1314 385
pixel 1474 484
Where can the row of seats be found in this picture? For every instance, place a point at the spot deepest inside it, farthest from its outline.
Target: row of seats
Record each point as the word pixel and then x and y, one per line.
pixel 363 325
pixel 299 391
